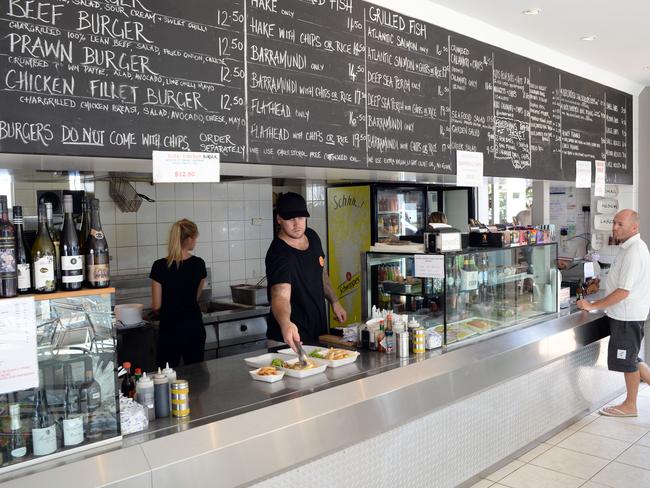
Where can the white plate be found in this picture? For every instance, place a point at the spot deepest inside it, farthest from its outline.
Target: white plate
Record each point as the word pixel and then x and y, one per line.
pixel 264 359
pixel 332 363
pixel 304 373
pixel 271 378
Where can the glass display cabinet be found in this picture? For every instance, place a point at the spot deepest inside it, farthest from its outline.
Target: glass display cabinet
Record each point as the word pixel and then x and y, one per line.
pixel 481 290
pixel 76 403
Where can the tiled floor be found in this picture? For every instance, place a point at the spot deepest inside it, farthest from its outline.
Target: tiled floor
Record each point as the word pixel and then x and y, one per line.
pixel 595 452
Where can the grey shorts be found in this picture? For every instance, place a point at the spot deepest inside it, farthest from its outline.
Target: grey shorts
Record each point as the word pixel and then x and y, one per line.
pixel 624 344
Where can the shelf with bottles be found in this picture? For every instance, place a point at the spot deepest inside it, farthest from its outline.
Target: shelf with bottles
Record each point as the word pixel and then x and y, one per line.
pixel 75 404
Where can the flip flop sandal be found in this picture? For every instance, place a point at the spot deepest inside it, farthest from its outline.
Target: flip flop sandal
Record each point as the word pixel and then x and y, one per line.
pixel 615 412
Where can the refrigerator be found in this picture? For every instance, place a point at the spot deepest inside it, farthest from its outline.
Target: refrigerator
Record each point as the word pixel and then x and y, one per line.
pixel 399 212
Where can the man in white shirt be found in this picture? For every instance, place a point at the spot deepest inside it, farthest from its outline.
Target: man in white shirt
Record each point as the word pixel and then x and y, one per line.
pixel 626 304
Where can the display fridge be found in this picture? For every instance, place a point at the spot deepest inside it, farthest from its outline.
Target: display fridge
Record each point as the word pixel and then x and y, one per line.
pixel 399 212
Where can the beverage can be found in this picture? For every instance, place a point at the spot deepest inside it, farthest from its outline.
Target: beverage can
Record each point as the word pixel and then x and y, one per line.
pixel 418 341
pixel 180 390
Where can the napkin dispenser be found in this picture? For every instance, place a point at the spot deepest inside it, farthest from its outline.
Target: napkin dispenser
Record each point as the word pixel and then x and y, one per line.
pixel 443 239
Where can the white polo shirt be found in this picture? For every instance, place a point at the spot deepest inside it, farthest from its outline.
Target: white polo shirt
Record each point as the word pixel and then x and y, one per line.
pixel 630 271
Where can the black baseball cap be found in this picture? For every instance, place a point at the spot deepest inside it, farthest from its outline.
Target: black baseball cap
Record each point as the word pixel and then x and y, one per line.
pixel 291 205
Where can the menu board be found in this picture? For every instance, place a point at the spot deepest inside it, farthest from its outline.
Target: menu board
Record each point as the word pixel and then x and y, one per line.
pixel 407 64
pixel 328 83
pixel 122 78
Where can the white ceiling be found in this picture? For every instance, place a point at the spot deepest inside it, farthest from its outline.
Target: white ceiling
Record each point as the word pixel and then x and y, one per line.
pixel 622 31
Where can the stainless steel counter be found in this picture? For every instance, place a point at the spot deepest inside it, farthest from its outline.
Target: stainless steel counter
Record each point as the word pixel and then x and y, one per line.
pixel 235 420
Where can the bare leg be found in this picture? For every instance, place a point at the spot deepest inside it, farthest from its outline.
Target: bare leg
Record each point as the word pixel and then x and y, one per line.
pixel 644 371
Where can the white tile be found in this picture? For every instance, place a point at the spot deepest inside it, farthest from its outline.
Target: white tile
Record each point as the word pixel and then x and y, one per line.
pixel 237 270
pixel 252 249
pixel 251 210
pixel 266 210
pixel 235 191
pixel 221 251
pixel 235 210
pixel 125 217
pixel 643 420
pixel 586 420
pixel 254 269
pixel 219 191
pixel 236 230
pixel 101 191
pixel 202 212
pixel 644 441
pixel 266 230
pixel 266 192
pixel 205 231
pixel 616 430
pixel 636 455
pixel 619 475
pixel 504 471
pixel 165 192
pixel 146 256
pixel 237 250
pixel 264 247
pixel 126 235
pixel 251 231
pixel 220 272
pixel 570 462
pixel 147 213
pixel 202 191
pixel 107 213
pixel 595 445
pixel 559 437
pixel 146 189
pixel 127 258
pixel 317 210
pixel 165 212
pixel 251 191
pixel 204 251
pixel 482 484
pixel 533 453
pixel 162 251
pixel 162 230
pixel 184 191
pixel 147 234
pixel 530 476
pixel 221 289
pixel 591 484
pixel 111 235
pixel 318 192
pixel 219 231
pixel 219 210
pixel 185 210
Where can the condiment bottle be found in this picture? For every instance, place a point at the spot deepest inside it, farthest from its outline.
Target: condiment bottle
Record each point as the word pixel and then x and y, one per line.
pixel 145 395
pixel 161 394
pixel 170 373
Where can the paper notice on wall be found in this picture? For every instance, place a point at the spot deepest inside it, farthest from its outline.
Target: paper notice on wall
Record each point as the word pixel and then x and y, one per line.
pixel 469 168
pixel 18 363
pixel 583 174
pixel 185 167
pixel 599 179
pixel 429 266
pixel 558 207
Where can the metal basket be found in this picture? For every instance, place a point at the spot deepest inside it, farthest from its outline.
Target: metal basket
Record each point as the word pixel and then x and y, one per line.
pixel 124 195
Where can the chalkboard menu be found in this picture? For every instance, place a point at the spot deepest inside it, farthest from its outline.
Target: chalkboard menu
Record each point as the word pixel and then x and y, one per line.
pixel 329 83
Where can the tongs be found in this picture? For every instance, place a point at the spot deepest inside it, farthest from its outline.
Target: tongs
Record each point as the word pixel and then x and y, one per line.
pixel 302 356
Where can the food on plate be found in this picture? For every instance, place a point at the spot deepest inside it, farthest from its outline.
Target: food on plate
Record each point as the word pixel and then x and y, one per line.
pixel 297 365
pixel 479 324
pixel 278 363
pixel 316 353
pixel 330 354
pixel 267 371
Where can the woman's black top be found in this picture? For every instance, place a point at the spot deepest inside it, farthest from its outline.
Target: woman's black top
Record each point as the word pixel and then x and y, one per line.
pixel 179 307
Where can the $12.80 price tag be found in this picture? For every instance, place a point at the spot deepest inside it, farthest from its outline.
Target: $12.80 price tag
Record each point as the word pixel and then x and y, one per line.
pixel 185 167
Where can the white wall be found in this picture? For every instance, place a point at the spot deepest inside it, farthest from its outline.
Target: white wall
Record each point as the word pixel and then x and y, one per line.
pixel 643 145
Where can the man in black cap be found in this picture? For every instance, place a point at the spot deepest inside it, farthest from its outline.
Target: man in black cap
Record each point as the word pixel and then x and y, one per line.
pixel 297 280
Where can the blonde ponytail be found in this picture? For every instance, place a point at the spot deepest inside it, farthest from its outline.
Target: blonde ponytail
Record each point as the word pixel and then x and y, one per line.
pixel 181 230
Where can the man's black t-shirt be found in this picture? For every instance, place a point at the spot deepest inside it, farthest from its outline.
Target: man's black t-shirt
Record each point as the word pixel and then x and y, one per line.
pixel 179 308
pixel 303 270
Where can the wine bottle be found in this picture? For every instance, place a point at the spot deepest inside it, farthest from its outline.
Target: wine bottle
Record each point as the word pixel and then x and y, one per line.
pixel 97 267
pixel 55 235
pixel 8 272
pixel 71 264
pixel 84 230
pixel 90 396
pixel 44 428
pixel 73 427
pixel 23 262
pixel 43 254
pixel 17 444
pixel 128 384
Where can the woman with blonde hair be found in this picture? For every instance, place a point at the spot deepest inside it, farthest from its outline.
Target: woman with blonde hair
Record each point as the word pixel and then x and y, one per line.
pixel 177 282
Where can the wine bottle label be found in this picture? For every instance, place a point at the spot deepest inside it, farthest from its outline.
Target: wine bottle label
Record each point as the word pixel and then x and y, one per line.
pixel 73 431
pixel 24 276
pixel 71 263
pixel 44 440
pixel 44 272
pixel 19 452
pixel 7 257
pixel 97 234
pixel 97 273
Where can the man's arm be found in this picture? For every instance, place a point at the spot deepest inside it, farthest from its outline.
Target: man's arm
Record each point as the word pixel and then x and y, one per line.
pixel 339 312
pixel 613 298
pixel 281 309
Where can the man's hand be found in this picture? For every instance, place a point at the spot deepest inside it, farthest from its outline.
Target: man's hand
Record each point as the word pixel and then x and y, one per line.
pixel 339 312
pixel 291 335
pixel 585 305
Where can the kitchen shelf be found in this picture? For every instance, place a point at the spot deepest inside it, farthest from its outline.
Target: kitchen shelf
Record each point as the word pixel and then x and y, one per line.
pixel 70 294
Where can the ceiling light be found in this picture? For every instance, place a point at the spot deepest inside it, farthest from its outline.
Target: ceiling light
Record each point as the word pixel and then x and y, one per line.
pixel 588 38
pixel 532 11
